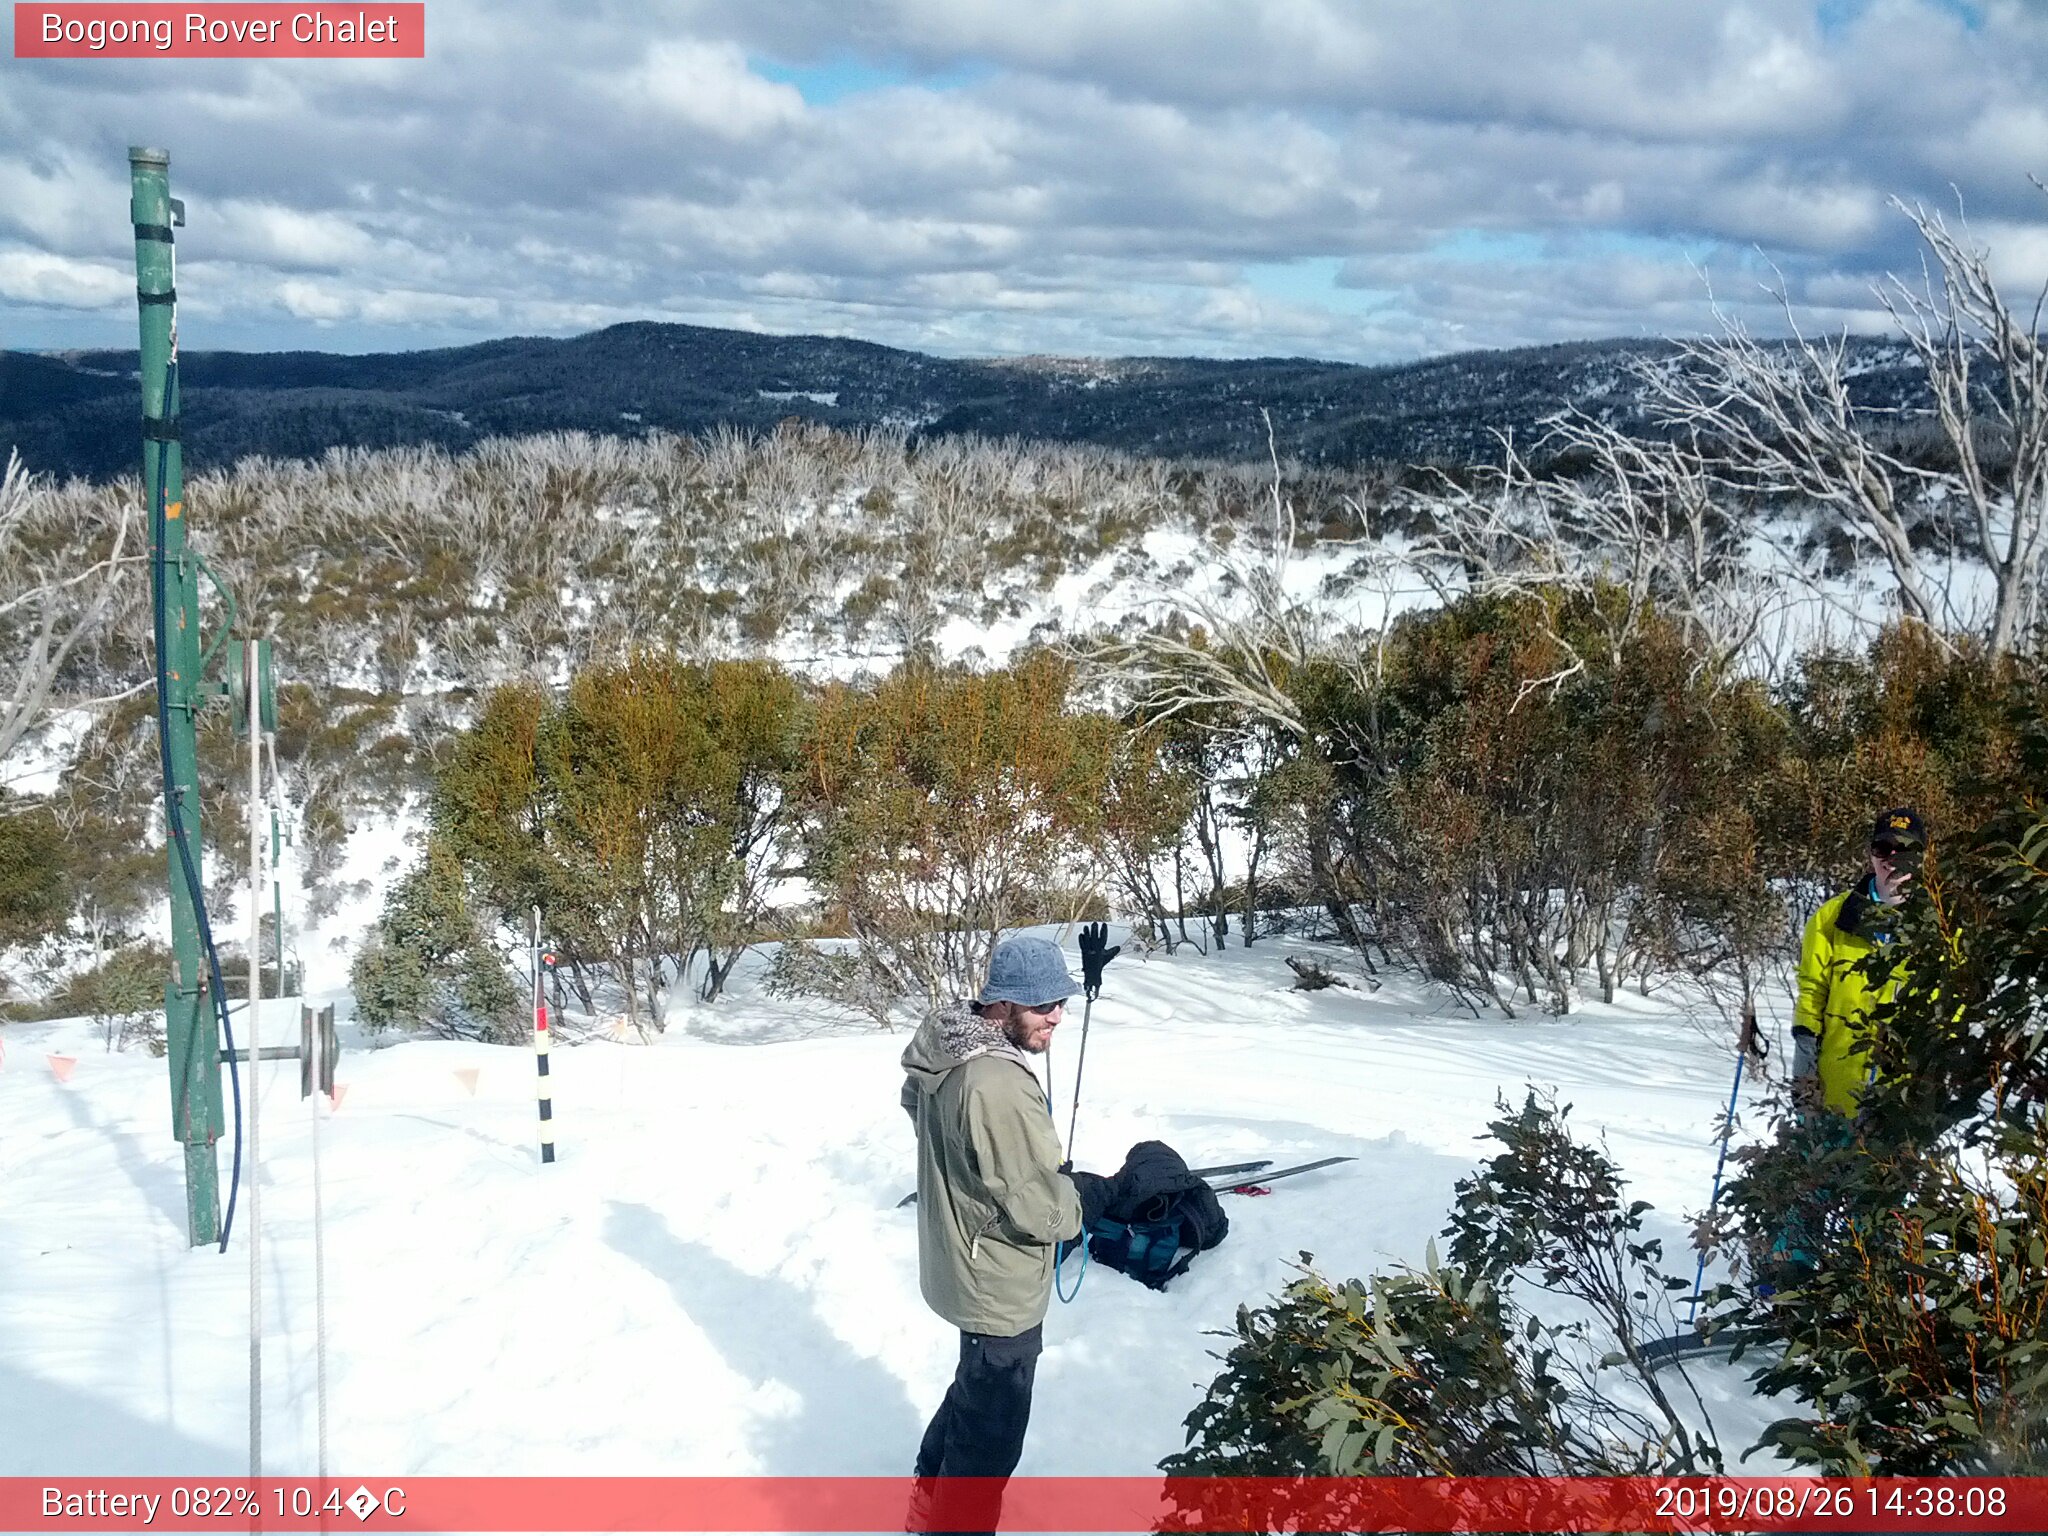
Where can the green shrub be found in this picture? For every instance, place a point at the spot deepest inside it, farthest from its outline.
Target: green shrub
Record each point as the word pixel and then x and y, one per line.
pixel 1907 1250
pixel 646 812
pixel 1440 1371
pixel 35 893
pixel 124 996
pixel 942 806
pixel 427 964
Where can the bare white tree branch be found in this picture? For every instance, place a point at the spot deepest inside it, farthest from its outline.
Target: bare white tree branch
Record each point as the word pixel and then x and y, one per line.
pixel 46 613
pixel 1997 428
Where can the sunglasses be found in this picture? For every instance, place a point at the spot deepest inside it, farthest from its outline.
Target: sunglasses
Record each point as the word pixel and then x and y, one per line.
pixel 1044 1010
pixel 1891 850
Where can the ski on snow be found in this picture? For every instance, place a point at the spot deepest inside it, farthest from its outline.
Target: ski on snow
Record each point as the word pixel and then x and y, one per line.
pixel 1221 1170
pixel 1257 1185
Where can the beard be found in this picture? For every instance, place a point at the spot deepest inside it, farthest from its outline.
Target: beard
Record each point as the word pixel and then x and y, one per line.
pixel 1026 1036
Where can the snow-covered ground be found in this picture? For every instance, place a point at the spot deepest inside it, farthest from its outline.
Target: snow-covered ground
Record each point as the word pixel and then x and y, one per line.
pixel 714 1278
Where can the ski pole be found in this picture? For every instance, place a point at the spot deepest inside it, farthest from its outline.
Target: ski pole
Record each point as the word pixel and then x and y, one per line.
pixel 1081 1242
pixel 1096 953
pixel 1699 1278
pixel 1080 1065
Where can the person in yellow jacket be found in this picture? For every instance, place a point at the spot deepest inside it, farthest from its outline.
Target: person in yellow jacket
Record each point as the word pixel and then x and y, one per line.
pixel 1830 1022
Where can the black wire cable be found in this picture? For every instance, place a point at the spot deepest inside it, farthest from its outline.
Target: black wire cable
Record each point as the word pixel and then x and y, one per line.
pixel 174 819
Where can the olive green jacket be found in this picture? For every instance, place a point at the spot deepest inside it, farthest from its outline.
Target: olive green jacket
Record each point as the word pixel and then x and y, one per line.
pixel 991 1201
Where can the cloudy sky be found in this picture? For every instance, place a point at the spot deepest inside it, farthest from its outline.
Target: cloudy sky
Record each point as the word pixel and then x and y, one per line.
pixel 1372 180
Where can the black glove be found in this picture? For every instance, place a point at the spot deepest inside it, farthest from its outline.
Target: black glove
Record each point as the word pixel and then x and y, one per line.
pixel 1096 1193
pixel 1096 952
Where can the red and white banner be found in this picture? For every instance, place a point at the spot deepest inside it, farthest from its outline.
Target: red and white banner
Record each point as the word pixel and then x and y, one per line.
pixel 213 31
pixel 1112 1504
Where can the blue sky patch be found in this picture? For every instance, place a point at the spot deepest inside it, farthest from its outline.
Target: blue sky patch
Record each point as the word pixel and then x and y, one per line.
pixel 835 79
pixel 1312 280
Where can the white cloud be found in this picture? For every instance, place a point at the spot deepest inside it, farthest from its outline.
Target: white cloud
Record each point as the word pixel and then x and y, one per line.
pixel 318 302
pixel 708 86
pixel 35 277
pixel 1810 214
pixel 57 197
pixel 1076 175
pixel 267 232
pixel 2019 258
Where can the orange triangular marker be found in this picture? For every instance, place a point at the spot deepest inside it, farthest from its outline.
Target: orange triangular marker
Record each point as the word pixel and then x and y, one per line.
pixel 467 1077
pixel 62 1065
pixel 334 1097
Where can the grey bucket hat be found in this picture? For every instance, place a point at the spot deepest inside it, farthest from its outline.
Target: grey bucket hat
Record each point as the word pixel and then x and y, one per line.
pixel 1027 970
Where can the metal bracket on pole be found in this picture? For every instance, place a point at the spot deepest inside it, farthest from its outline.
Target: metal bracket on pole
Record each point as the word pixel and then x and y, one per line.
pixel 317 1051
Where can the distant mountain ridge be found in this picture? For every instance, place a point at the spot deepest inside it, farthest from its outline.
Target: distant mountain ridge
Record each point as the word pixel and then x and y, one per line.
pixel 76 413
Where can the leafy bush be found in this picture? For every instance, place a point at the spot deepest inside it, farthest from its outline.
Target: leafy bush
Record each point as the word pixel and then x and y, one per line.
pixel 124 996
pixel 801 969
pixel 1530 796
pixel 1915 1319
pixel 427 964
pixel 1440 1371
pixel 941 807
pixel 646 813
pixel 1906 1249
pixel 35 895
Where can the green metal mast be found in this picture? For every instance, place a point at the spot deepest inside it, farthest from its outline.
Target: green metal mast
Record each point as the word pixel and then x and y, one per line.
pixel 190 1026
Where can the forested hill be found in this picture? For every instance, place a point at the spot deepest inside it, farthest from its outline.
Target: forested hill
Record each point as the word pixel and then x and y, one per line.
pixel 76 413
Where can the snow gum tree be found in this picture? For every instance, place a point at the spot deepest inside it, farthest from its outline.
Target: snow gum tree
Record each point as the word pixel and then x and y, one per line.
pixel 943 806
pixel 62 578
pixel 645 812
pixel 1522 842
pixel 1147 801
pixel 669 803
pixel 124 996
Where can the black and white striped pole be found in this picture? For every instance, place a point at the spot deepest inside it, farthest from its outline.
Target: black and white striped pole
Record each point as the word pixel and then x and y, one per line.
pixel 542 959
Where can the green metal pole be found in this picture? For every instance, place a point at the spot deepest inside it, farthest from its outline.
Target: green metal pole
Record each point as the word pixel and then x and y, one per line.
pixel 190 1029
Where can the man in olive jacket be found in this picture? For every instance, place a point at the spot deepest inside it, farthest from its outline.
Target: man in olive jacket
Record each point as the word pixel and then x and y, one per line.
pixel 993 1201
pixel 1830 1024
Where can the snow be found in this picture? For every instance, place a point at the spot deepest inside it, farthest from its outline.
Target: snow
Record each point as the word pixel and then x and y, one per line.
pixel 44 754
pixel 378 854
pixel 714 1278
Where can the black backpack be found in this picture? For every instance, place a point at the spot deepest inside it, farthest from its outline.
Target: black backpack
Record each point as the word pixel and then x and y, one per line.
pixel 1158 1217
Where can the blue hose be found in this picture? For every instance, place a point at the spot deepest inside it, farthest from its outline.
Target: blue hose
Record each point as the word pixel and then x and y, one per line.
pixel 1060 1257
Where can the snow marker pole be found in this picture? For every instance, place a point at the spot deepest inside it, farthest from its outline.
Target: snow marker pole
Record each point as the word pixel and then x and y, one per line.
pixel 255 680
pixel 540 1051
pixel 317 1071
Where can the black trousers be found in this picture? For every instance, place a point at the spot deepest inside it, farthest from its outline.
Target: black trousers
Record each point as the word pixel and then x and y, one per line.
pixel 979 1428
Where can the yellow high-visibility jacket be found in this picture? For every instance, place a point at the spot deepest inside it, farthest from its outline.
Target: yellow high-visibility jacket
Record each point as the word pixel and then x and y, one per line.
pixel 1835 997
